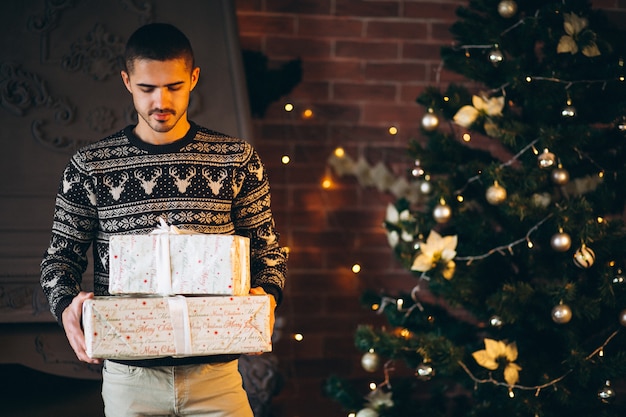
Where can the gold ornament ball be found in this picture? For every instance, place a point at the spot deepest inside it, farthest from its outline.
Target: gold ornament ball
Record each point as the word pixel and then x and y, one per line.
pixel 430 122
pixel 622 317
pixel 442 213
pixel 561 314
pixel 546 159
pixel 584 257
pixel 496 194
pixel 370 361
pixel 560 176
pixel 561 242
pixel 507 8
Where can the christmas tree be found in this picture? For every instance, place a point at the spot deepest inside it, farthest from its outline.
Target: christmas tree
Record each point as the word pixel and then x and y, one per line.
pixel 519 235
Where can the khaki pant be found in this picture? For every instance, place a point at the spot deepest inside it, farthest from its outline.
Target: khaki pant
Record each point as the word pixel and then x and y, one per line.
pixel 213 390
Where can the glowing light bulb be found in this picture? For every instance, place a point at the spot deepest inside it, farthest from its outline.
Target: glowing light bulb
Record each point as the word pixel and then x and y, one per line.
pixel 530 244
pixel 393 130
pixel 327 183
pixel 528 79
pixel 399 303
pixel 459 198
pixel 446 98
pixel 285 159
pixel 600 219
pixel 298 337
pixel 375 307
pixel 467 137
pixel 307 114
pixel 511 394
pixel 289 107
pixel 356 268
pixel 340 152
pixel 373 386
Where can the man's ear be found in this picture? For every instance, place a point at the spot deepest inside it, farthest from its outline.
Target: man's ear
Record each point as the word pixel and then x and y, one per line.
pixel 195 76
pixel 126 80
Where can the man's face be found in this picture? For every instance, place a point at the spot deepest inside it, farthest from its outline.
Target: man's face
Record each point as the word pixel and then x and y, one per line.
pixel 160 91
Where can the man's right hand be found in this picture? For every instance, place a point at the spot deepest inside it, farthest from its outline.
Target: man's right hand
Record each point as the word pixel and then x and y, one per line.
pixel 71 318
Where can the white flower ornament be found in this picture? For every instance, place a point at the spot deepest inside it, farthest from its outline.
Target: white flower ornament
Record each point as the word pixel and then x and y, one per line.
pixel 394 217
pixel 467 115
pixel 435 250
pixel 496 350
pixel 574 25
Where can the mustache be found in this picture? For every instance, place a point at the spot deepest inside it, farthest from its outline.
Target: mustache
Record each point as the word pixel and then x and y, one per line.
pixel 171 111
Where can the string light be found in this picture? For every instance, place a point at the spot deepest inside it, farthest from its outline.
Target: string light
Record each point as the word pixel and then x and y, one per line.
pixel 340 152
pixel 356 268
pixel 298 337
pixel 373 386
pixel 467 137
pixel 307 114
pixel 285 159
pixel 289 107
pixel 508 247
pixel 327 183
pixel 393 130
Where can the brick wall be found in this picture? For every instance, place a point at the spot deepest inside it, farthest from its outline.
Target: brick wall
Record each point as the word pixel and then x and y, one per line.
pixel 364 63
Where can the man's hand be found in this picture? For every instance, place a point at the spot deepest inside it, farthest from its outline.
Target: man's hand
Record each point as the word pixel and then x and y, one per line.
pixel 261 291
pixel 71 318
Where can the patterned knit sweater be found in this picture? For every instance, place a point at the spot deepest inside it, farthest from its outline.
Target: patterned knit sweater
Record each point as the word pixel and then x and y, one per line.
pixel 206 182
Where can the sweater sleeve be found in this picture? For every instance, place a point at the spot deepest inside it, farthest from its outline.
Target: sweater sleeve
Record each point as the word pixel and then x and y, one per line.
pixel 253 218
pixel 73 228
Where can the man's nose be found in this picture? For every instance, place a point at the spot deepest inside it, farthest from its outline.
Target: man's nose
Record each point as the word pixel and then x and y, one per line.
pixel 162 97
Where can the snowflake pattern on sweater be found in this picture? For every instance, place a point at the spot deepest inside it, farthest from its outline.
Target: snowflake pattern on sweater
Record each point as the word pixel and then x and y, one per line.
pixel 207 182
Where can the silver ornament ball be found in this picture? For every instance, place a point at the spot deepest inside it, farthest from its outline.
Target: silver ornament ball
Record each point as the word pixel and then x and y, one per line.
pixel 560 176
pixel 442 213
pixel 370 361
pixel 507 8
pixel 424 371
pixel 561 242
pixel 496 321
pixel 622 317
pixel 606 394
pixel 496 56
pixel 561 314
pixel 426 187
pixel 496 194
pixel 367 412
pixel 430 121
pixel 568 112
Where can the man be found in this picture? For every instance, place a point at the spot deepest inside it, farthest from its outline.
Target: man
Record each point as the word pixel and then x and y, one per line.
pixel 165 166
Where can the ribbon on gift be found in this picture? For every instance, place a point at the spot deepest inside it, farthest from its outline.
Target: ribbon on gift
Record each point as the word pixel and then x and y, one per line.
pixel 162 253
pixel 179 316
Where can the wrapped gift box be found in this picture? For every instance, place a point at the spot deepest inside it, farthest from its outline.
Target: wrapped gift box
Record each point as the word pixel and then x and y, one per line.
pixel 119 327
pixel 167 264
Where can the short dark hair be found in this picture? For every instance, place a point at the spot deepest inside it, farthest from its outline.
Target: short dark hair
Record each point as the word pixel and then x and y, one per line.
pixel 159 42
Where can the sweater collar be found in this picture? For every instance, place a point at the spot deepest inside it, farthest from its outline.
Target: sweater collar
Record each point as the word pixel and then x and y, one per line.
pixel 158 149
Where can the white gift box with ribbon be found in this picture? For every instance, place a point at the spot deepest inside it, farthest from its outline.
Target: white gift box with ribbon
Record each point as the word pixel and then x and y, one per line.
pixel 172 261
pixel 152 327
